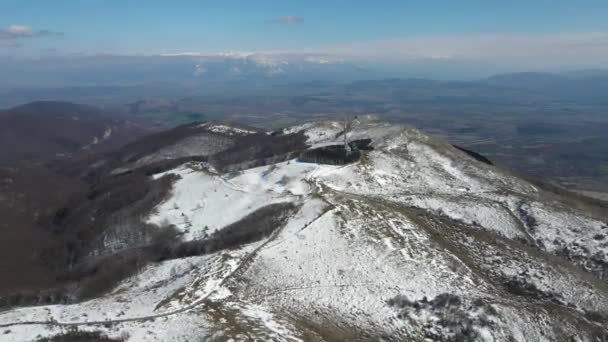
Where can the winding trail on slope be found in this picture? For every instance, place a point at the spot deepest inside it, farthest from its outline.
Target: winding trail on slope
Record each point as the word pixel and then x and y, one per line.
pixel 244 262
pixel 297 288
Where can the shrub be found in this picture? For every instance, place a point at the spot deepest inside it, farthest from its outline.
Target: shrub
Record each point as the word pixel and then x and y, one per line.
pixel 254 227
pixel 332 155
pixel 75 335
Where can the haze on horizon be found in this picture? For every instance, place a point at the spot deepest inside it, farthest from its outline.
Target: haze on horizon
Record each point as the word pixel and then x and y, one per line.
pixel 474 36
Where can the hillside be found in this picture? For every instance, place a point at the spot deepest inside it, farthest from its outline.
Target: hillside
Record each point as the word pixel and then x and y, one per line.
pixel 48 130
pixel 38 139
pixel 246 239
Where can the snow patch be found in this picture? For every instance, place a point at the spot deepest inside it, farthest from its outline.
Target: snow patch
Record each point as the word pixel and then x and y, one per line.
pixel 228 130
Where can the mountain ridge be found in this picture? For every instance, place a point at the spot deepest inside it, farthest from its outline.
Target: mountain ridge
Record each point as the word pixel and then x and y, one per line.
pixel 416 239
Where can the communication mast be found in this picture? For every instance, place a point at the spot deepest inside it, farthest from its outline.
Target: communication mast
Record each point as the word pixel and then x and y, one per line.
pixel 347 126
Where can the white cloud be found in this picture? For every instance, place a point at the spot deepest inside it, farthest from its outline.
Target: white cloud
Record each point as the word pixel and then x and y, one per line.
pixel 22 31
pixel 518 50
pixel 564 48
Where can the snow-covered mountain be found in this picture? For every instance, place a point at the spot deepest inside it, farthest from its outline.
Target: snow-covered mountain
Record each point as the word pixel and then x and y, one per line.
pixel 259 67
pixel 173 70
pixel 415 240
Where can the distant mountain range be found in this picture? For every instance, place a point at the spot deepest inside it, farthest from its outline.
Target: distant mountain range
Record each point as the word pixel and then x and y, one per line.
pixel 137 70
pixel 251 68
pixel 111 80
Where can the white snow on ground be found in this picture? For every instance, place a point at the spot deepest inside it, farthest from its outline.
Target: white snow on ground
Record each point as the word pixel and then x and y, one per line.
pixel 319 262
pixel 486 214
pixel 162 294
pixel 228 130
pixel 278 330
pixel 105 136
pixel 354 244
pixel 202 203
pixel 199 201
pixel 317 133
pixel 201 144
pixel 385 173
pixel 413 172
pixel 286 178
pixel 558 228
pixel 180 327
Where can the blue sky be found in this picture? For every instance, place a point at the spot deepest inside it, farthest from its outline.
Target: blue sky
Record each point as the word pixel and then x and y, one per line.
pixel 431 28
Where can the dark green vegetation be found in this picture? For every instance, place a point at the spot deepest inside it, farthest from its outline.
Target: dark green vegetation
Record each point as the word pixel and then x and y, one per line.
pixel 81 336
pixel 259 149
pixel 453 315
pixel 336 154
pixel 332 155
pixel 475 155
pixel 33 137
pixel 76 258
pixel 254 227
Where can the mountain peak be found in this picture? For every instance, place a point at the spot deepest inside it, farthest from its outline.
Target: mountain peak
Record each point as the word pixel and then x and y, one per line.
pixel 413 239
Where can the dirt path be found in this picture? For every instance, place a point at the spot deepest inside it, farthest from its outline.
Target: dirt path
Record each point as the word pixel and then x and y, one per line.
pixel 245 262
